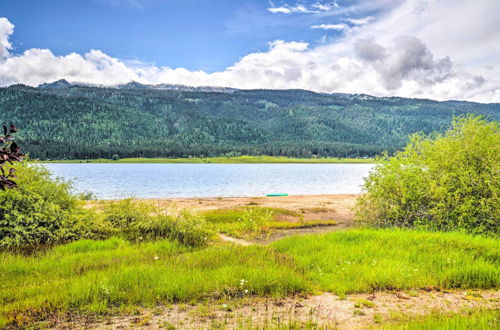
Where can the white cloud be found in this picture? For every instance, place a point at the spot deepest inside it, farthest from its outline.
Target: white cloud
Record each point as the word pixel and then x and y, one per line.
pixel 338 27
pixel 6 29
pixel 407 59
pixel 325 6
pixel 360 21
pixel 283 10
pixel 410 50
pixel 315 8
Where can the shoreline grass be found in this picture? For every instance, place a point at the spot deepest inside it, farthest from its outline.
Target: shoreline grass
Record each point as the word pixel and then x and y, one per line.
pixel 223 160
pixel 112 276
pixel 469 319
pixel 365 260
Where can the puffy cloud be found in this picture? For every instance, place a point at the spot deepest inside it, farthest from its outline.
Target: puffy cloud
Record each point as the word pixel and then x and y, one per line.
pixel 338 27
pixel 6 29
pixel 393 54
pixel 409 58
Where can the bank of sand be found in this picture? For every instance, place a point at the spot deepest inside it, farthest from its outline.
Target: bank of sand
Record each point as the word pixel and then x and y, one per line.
pixel 320 208
pixel 312 208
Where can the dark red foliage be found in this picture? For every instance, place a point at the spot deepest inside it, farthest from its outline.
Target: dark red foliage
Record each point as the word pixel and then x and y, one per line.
pixel 10 152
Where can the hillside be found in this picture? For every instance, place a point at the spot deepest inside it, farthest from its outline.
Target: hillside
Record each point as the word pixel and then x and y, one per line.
pixel 65 121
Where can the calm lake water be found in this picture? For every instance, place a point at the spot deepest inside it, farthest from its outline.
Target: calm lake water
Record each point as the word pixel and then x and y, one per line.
pixel 113 181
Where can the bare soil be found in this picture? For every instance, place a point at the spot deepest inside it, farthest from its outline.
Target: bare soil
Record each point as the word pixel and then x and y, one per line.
pixel 325 311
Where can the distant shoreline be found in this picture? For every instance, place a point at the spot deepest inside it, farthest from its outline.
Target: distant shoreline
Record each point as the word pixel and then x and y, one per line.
pixel 223 160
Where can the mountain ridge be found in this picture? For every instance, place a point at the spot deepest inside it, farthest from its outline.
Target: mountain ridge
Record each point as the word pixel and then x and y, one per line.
pixel 81 122
pixel 63 83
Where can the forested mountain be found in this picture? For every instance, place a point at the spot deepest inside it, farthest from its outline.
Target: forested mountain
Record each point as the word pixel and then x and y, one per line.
pixel 63 121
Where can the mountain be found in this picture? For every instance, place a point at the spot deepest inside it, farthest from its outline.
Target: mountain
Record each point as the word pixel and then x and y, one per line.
pixel 64 121
pixel 62 83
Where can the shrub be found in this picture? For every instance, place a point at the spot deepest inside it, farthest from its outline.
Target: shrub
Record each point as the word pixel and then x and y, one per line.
pixel 140 221
pixel 115 157
pixel 439 182
pixel 41 211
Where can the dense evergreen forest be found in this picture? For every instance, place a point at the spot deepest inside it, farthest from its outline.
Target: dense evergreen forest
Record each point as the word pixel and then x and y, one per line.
pixel 64 121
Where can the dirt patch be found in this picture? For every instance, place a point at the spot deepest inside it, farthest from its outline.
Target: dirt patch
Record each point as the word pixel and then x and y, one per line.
pixel 310 207
pixel 325 310
pixel 277 234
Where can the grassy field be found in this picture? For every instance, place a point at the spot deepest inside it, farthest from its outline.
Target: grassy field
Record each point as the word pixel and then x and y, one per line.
pixel 92 277
pixel 252 221
pixel 367 260
pixel 226 160
pixel 105 277
pixel 474 319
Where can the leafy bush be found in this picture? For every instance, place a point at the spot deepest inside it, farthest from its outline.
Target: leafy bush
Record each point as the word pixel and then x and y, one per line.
pixel 439 182
pixel 41 211
pixel 140 221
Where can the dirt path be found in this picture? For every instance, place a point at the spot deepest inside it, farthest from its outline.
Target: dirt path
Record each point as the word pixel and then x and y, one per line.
pixel 325 310
pixel 233 240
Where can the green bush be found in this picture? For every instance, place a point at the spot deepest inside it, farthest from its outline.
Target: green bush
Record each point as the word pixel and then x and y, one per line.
pixel 140 221
pixel 439 182
pixel 41 211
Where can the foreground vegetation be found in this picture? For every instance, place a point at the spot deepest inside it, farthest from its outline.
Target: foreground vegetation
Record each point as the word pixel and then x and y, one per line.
pixel 369 260
pixel 439 182
pixel 474 319
pixel 103 277
pixel 225 160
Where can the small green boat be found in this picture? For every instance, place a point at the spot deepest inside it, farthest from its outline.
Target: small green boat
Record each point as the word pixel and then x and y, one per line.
pixel 276 195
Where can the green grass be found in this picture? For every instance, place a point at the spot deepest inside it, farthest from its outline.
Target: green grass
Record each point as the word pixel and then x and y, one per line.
pixel 474 319
pixel 98 277
pixel 102 277
pixel 365 260
pixel 251 221
pixel 225 160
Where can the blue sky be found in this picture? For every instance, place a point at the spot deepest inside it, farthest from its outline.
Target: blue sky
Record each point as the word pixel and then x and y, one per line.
pixel 438 49
pixel 195 34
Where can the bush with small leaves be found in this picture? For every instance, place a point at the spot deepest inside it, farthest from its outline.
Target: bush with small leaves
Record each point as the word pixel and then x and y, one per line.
pixel 439 182
pixel 42 211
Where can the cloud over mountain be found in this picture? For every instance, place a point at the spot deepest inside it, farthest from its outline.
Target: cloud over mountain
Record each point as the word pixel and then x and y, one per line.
pixel 407 50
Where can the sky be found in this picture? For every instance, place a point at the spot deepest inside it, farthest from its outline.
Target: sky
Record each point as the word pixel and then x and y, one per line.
pixel 437 49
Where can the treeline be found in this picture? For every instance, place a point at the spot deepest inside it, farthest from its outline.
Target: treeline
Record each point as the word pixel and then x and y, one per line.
pixel 86 122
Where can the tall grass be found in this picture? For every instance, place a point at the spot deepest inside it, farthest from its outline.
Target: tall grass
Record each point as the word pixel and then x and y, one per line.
pixel 475 319
pixel 365 260
pixel 252 221
pixel 98 277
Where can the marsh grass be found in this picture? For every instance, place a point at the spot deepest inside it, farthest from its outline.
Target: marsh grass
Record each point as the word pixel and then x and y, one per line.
pixel 471 319
pixel 89 278
pixel 252 221
pixel 100 277
pixel 365 260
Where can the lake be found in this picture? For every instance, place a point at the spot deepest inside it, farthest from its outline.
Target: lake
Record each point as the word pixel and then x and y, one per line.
pixel 114 181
